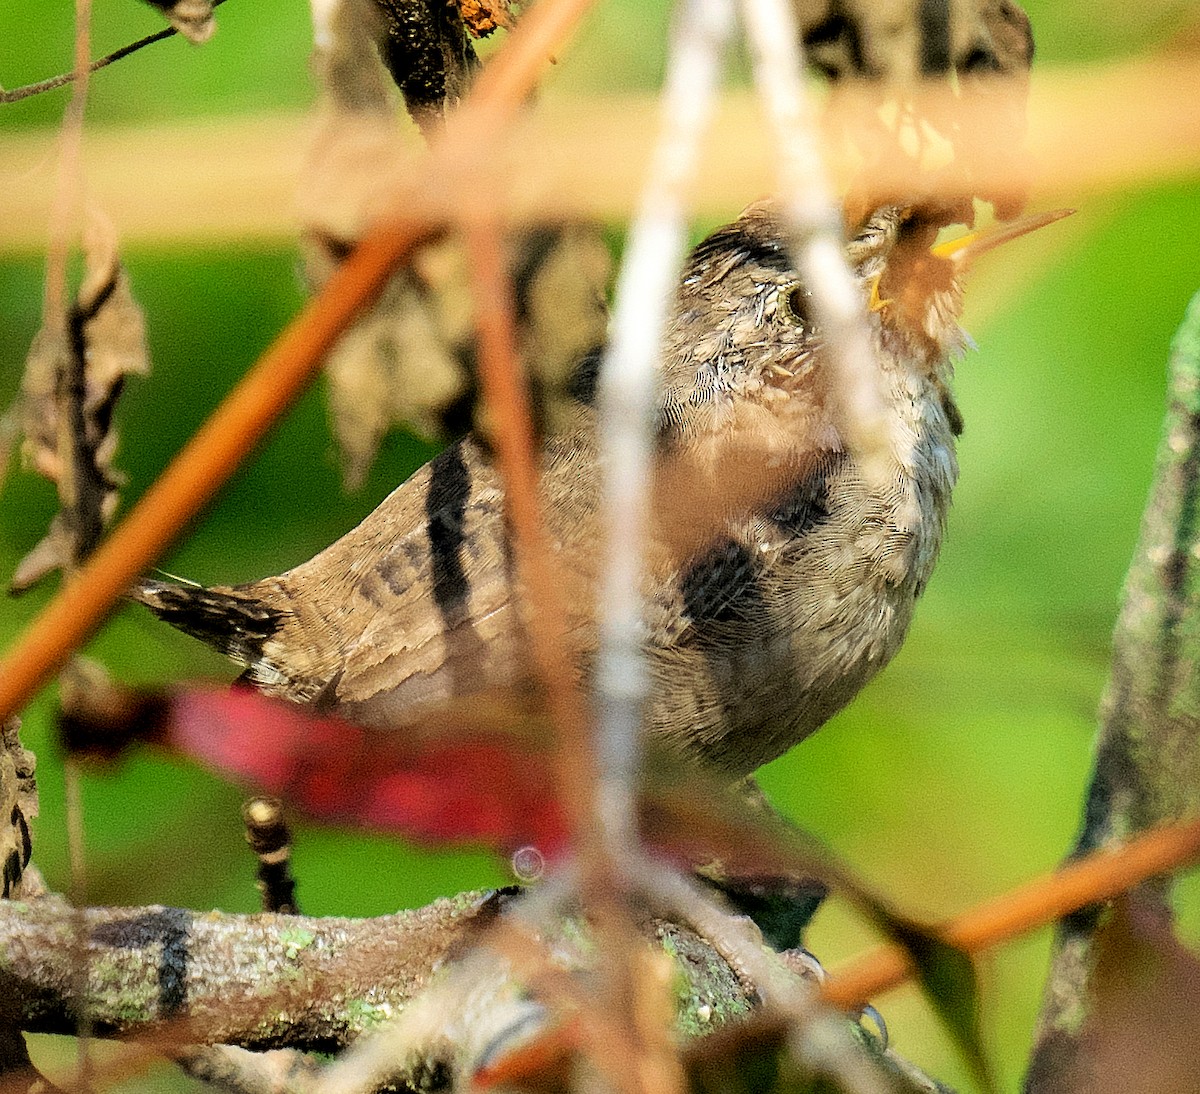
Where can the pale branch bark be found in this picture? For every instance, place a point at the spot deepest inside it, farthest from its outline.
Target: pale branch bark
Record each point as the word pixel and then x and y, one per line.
pixel 627 390
pixel 267 981
pixel 1147 763
pixel 180 979
pixel 258 981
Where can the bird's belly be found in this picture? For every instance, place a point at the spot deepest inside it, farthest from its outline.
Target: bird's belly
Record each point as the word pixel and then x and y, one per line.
pixel 742 702
pixel 777 630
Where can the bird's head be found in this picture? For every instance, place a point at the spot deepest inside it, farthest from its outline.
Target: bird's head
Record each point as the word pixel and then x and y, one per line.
pixel 743 330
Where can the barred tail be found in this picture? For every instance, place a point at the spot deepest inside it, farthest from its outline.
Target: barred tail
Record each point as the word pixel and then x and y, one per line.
pixel 237 624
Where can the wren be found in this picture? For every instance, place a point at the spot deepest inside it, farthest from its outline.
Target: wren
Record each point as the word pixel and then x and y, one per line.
pixel 757 631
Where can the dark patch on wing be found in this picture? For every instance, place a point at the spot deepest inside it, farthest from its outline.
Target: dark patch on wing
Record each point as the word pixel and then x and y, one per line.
pixel 721 585
pixel 741 240
pixel 585 378
pixel 396 575
pixel 236 624
pixel 953 414
pixel 445 514
pixel 933 19
pixel 979 59
pixel 458 415
pixel 805 504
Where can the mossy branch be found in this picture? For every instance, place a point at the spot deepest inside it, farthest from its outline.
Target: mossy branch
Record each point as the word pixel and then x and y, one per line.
pixel 259 981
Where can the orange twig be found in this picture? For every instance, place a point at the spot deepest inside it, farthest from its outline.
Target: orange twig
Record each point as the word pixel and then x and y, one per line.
pixel 508 401
pixel 203 465
pixel 1100 876
pixel 273 383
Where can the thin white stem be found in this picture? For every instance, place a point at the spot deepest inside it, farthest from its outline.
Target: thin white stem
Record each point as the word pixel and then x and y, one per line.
pixel 627 390
pixel 812 210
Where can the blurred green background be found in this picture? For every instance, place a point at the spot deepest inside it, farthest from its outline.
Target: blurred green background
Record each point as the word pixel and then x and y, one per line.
pixel 956 775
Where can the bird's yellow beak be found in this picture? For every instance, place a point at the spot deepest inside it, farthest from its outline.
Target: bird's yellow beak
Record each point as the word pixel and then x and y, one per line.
pixel 966 249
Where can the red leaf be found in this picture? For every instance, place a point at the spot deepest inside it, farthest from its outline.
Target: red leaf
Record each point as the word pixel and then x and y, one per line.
pixel 495 788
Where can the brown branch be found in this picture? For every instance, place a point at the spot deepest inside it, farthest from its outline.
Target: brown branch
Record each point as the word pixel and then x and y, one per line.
pixel 171 977
pixel 1039 903
pixel 259 981
pixel 1147 765
pixel 275 381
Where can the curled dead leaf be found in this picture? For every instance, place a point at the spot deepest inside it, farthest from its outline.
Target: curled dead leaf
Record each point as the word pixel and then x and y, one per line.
pixel 18 806
pixel 192 18
pixel 73 377
pixel 482 17
pixel 410 360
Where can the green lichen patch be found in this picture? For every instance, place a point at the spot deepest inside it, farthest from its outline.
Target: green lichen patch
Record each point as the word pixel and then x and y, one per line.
pixel 295 940
pixel 707 992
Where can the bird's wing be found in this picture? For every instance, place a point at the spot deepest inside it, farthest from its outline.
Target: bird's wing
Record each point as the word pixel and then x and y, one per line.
pixel 434 609
pixel 440 600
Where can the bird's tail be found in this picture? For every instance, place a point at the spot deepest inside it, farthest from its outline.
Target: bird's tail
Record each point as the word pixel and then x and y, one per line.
pixel 236 623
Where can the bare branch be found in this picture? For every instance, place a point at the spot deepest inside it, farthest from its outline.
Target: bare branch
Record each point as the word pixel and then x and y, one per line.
pixel 55 82
pixel 261 981
pixel 1147 766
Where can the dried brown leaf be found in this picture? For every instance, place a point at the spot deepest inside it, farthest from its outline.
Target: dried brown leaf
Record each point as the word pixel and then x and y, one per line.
pixel 192 18
pixel 410 360
pixel 18 806
pixel 73 378
pixel 482 17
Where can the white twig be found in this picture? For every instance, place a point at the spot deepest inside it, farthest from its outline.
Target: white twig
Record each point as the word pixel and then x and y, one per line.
pixel 816 228
pixel 627 390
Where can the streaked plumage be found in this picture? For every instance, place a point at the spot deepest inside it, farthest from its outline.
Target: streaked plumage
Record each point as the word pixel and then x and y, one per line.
pixel 798 594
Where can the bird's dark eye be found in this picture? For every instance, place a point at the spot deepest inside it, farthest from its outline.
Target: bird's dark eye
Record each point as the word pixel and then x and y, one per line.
pixel 793 306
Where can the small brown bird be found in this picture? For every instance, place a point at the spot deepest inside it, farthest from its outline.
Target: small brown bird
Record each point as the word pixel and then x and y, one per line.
pixel 797 589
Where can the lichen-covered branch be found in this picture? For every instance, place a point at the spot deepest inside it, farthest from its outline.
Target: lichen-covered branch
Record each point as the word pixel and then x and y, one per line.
pixel 1147 766
pixel 182 978
pixel 259 981
pixel 267 981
